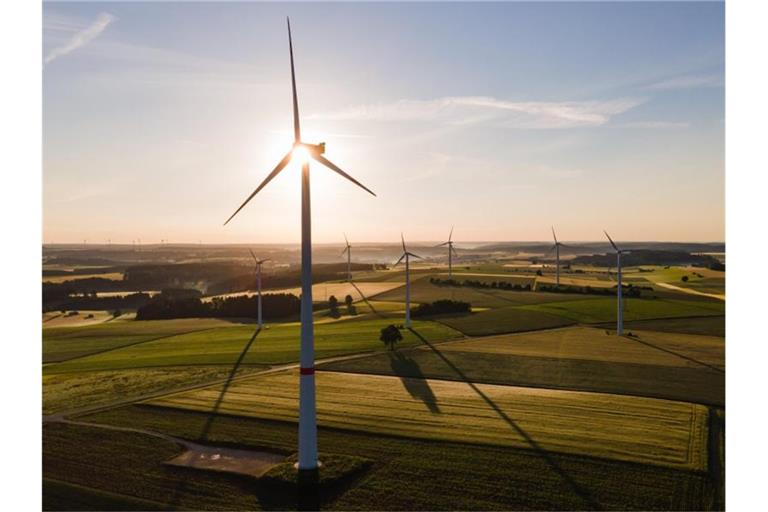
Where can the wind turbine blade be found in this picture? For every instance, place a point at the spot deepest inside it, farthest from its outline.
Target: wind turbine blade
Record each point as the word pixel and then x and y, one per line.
pixel 296 129
pixel 345 250
pixel 440 245
pixel 610 240
pixel 415 255
pixel 275 172
pixel 345 239
pixel 454 251
pixel 402 238
pixel 450 234
pixel 398 261
pixel 333 167
pixel 553 234
pixel 264 261
pixel 253 256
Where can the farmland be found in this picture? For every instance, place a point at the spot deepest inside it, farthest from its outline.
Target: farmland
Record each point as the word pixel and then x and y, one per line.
pixel 531 388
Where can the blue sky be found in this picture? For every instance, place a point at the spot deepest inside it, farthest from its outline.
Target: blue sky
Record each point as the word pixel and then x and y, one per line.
pixel 503 119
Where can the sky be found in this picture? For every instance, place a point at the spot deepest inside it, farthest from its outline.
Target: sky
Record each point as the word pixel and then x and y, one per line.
pixel 501 119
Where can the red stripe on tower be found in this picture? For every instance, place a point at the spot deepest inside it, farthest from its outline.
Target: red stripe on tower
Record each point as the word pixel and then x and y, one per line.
pixel 307 371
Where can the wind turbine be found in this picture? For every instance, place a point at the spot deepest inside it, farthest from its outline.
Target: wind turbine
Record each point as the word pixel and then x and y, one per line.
pixel 451 251
pixel 619 309
pixel 348 250
pixel 259 263
pixel 303 152
pixel 407 256
pixel 557 256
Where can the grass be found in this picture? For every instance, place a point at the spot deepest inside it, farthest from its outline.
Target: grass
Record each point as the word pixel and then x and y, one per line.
pixel 577 359
pixel 649 431
pixel 604 309
pixel 708 325
pixel 504 320
pixel 407 474
pixel 277 344
pixel 63 343
pixel 67 391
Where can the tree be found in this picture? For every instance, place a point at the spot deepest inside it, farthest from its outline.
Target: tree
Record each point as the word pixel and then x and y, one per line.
pixel 348 301
pixel 685 279
pixel 333 307
pixel 390 335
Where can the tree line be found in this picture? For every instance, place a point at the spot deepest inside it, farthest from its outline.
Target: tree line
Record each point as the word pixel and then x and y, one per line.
pixel 274 306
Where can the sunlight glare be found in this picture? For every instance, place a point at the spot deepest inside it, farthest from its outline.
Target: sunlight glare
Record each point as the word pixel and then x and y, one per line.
pixel 300 155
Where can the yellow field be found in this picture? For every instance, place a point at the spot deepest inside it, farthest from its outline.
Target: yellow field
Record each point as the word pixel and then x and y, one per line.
pixel 576 281
pixel 322 291
pixel 645 430
pixel 56 319
pixel 651 347
pixel 115 276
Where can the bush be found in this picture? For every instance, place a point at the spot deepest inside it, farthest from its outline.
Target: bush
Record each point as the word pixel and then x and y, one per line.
pixel 684 279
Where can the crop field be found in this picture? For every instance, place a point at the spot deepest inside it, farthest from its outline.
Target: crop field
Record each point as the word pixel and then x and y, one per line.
pixel 82 318
pixel 662 365
pixel 115 276
pixel 595 281
pixel 650 431
pixel 604 309
pixel 63 343
pixel 128 468
pixel 67 391
pixel 504 320
pixel 276 344
pixel 709 325
pixel 322 291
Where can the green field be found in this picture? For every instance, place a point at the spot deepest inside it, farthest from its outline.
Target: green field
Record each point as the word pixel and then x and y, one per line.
pixel 675 367
pixel 504 320
pixel 224 345
pixel 62 343
pixel 604 309
pixel 67 391
pixel 707 325
pixel 650 431
pixel 427 475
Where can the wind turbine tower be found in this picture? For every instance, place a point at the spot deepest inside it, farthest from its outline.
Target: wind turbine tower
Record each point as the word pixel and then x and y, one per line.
pixel 451 252
pixel 348 250
pixel 303 152
pixel 406 255
pixel 259 264
pixel 619 306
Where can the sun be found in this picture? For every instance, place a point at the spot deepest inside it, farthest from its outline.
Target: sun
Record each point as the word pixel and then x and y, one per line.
pixel 300 155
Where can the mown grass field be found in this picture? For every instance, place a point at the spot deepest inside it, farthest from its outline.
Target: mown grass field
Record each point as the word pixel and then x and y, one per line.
pixel 604 309
pixel 708 325
pixel 504 320
pixel 649 431
pixel 62 343
pixel 407 474
pixel 68 391
pixel 224 345
pixel 586 359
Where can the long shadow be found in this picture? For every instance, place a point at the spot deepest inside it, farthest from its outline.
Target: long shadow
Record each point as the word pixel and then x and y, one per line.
pixel 413 379
pixel 578 489
pixel 181 488
pixel 365 299
pixel 682 356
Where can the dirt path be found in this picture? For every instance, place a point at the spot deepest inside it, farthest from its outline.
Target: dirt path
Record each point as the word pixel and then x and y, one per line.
pixel 691 292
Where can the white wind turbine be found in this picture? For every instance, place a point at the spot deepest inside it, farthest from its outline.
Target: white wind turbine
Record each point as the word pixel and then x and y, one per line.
pixel 556 247
pixel 259 264
pixel 451 252
pixel 348 250
pixel 407 256
pixel 619 308
pixel 303 152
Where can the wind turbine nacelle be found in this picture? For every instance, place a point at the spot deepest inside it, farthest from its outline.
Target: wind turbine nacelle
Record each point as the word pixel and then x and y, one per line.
pixel 317 149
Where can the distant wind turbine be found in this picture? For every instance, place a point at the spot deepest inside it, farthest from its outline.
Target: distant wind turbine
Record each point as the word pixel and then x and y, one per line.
pixel 556 247
pixel 619 309
pixel 259 263
pixel 407 256
pixel 451 251
pixel 303 152
pixel 348 250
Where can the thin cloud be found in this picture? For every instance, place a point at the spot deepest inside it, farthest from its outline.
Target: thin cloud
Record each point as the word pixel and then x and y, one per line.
pixel 83 37
pixel 657 125
pixel 686 82
pixel 479 109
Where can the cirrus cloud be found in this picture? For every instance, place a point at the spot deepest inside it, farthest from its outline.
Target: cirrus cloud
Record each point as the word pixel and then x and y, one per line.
pixel 82 37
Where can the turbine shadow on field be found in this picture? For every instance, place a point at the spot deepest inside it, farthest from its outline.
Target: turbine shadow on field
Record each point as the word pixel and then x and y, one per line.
pixel 413 380
pixel 181 488
pixel 214 412
pixel 365 299
pixel 578 489
pixel 678 354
